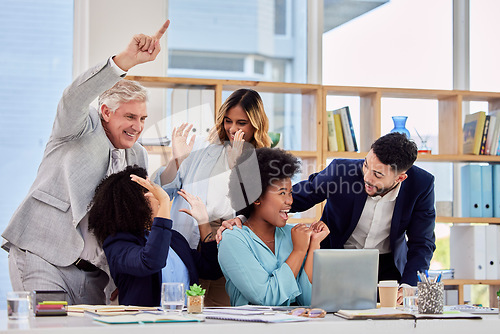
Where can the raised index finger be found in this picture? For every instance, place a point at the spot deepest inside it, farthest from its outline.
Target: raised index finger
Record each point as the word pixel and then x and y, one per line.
pixel 162 30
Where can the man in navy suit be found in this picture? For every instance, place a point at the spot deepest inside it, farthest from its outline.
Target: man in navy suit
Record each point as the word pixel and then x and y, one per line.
pixel 375 203
pixel 382 202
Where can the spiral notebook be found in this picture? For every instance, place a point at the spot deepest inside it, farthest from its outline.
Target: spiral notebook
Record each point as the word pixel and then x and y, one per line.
pixel 268 318
pixel 144 318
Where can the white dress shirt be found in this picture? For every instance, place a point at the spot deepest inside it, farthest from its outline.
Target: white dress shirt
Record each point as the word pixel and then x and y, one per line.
pixel 218 202
pixel 374 225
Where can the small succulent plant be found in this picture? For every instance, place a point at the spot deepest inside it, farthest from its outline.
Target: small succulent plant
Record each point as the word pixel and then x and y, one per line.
pixel 195 290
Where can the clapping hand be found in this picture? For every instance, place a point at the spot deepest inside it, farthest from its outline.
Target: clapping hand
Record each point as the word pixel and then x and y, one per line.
pixel 301 236
pixel 319 232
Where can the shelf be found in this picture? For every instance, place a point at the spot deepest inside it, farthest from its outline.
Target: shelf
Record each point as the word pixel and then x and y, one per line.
pixel 228 85
pixel 493 283
pixel 467 220
pixel 458 158
pixel 168 149
pixel 471 281
pixel 422 157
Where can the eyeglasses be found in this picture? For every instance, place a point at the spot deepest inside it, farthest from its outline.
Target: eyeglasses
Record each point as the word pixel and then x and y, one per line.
pixel 308 312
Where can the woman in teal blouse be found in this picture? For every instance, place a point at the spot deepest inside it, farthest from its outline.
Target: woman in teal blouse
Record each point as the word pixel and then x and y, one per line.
pixel 268 262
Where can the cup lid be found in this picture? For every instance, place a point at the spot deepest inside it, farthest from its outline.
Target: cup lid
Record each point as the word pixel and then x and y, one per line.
pixel 389 283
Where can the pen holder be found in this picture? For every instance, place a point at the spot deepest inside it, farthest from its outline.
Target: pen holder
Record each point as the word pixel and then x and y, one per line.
pixel 430 297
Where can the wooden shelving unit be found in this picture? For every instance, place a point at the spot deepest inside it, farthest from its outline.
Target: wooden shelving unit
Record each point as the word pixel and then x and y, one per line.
pixel 314 126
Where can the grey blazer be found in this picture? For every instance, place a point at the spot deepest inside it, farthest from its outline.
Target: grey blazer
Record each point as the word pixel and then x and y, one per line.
pixel 75 160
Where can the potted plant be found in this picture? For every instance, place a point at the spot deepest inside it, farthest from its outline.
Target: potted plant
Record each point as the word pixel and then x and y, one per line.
pixel 195 297
pixel 498 300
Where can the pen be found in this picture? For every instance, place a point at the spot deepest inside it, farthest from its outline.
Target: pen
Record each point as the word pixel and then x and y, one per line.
pixel 439 277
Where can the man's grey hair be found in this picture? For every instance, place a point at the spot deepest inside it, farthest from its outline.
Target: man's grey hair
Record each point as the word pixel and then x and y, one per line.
pixel 122 92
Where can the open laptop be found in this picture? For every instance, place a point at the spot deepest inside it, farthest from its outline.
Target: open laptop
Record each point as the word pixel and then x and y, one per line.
pixel 345 279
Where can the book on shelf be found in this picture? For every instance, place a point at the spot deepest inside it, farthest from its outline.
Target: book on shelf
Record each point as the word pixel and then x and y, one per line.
pixel 492 133
pixel 473 132
pixel 445 273
pixel 484 137
pixel 348 129
pixel 495 137
pixel 496 190
pixel 339 133
pixel 332 137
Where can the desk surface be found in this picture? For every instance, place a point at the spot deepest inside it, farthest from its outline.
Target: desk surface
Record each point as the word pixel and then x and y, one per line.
pixel 330 324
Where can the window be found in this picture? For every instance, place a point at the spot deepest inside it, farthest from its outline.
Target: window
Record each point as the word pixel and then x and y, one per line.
pixel 35 68
pixel 402 43
pixel 280 17
pixel 484 29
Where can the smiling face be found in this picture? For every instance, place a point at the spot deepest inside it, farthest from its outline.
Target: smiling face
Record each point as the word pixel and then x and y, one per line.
pixel 273 205
pixel 379 178
pixel 237 119
pixel 124 126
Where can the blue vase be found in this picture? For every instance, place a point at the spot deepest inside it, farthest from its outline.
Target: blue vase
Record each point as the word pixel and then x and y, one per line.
pixel 400 125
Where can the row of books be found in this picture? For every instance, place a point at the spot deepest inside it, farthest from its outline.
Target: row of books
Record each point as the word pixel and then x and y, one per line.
pixel 340 131
pixel 482 133
pixel 480 190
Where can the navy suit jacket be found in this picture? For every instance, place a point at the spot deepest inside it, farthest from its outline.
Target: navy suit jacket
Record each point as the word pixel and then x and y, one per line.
pixel 341 185
pixel 135 263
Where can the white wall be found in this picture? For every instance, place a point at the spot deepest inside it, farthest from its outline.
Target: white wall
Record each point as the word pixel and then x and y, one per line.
pixel 105 27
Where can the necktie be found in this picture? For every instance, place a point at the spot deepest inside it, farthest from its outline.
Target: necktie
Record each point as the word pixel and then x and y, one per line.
pixel 115 161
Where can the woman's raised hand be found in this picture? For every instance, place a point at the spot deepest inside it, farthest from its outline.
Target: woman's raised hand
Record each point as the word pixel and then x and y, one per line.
pixel 198 209
pixel 153 188
pixel 319 232
pixel 301 237
pixel 181 148
pixel 234 151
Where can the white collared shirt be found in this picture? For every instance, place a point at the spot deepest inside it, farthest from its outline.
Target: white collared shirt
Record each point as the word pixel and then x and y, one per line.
pixel 218 203
pixel 374 225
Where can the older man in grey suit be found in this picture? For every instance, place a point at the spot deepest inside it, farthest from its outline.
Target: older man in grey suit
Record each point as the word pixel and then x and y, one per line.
pixel 50 247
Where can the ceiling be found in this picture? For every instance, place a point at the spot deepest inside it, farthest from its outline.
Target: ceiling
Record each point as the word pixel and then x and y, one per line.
pixel 337 12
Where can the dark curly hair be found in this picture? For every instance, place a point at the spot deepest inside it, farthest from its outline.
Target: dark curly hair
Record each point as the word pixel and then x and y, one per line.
pixel 119 205
pixel 396 150
pixel 274 164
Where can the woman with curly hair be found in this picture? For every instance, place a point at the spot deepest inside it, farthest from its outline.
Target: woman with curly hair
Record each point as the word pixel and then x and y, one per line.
pixel 268 262
pixel 130 219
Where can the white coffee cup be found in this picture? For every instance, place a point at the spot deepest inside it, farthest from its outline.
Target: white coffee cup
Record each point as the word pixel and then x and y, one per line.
pixel 388 293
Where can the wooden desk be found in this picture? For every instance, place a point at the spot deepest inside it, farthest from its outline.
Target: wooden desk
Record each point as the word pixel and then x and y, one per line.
pixel 494 286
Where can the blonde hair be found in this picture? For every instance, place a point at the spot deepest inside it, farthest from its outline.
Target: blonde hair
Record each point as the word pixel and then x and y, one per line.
pixel 251 102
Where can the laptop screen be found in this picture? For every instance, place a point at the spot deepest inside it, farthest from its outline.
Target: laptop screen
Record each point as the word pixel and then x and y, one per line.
pixel 345 279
